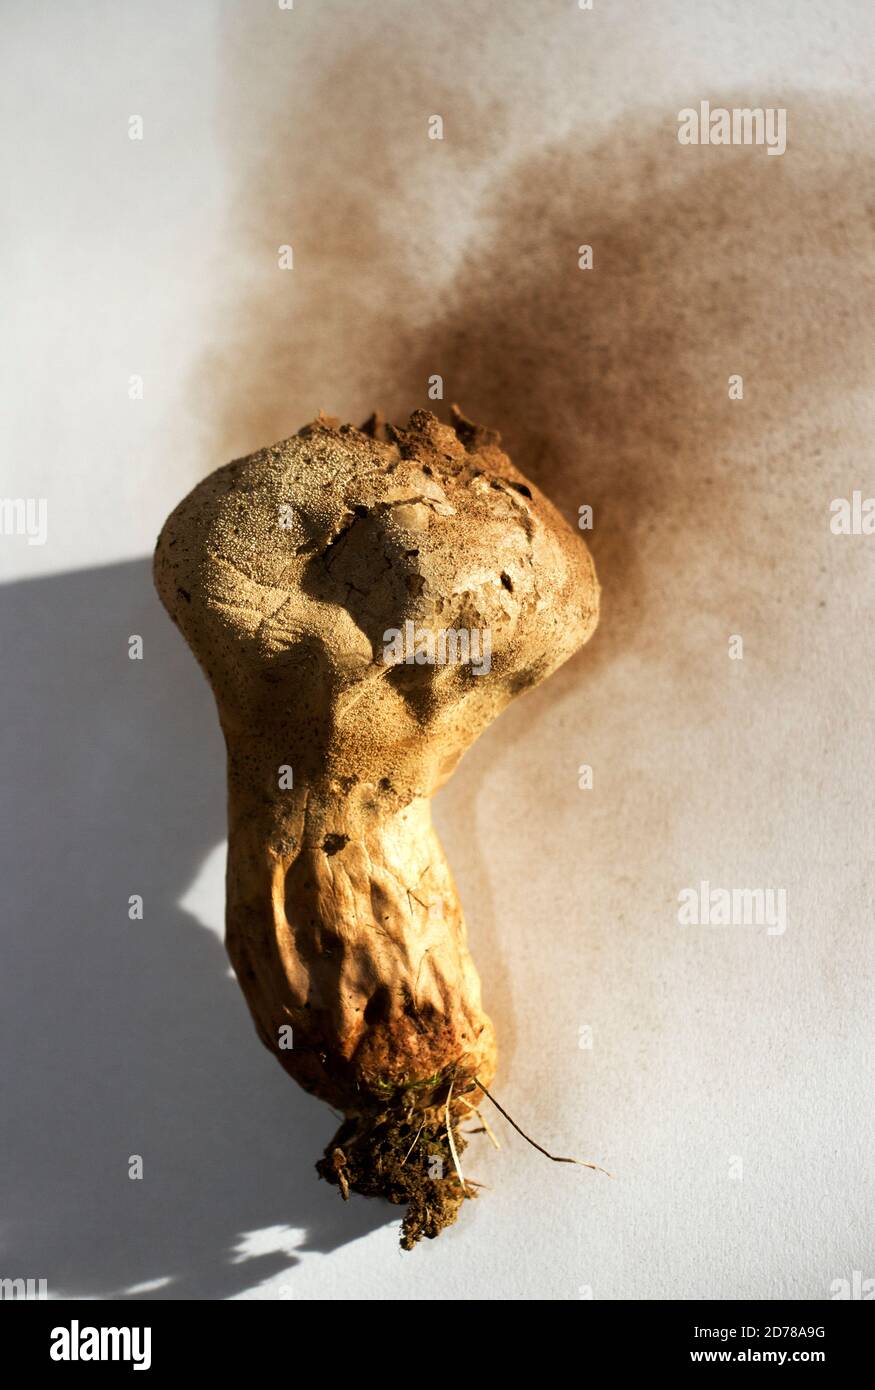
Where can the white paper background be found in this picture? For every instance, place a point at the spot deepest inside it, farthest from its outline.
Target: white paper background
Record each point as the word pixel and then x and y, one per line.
pixel 710 1046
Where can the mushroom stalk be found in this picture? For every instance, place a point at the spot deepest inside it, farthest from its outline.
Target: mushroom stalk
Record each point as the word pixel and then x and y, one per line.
pixel 343 923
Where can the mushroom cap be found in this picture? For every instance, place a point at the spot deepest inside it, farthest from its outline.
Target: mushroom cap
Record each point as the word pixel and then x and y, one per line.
pixel 290 571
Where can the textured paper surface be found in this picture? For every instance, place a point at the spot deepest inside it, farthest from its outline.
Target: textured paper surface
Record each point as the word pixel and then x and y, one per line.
pixel 728 1082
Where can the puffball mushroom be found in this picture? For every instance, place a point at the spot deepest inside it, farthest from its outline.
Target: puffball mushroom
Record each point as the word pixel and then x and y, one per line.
pixel 364 602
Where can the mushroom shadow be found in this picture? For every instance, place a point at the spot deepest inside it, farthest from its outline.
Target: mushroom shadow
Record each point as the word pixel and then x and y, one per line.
pixel 130 1037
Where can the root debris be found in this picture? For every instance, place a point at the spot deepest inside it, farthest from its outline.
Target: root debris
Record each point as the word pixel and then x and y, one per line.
pixel 552 1157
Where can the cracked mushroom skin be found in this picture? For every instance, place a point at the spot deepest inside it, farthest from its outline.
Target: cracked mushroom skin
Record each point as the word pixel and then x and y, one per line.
pixel 319 583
